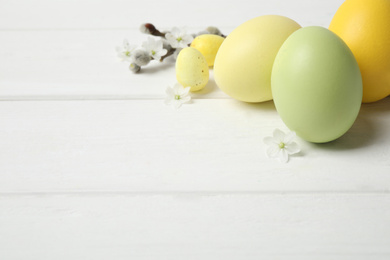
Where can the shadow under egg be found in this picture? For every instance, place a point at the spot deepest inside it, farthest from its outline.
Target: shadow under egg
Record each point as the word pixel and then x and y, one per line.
pixel 365 131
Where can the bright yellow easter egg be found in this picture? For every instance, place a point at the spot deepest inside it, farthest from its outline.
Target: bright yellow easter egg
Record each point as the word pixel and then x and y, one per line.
pixel 243 65
pixel 364 25
pixel 208 45
pixel 192 69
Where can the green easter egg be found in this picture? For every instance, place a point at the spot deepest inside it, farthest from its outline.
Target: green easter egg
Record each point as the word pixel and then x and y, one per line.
pixel 316 84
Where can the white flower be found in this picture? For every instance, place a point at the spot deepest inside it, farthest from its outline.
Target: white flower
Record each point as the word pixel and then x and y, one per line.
pixel 126 52
pixel 154 48
pixel 281 145
pixel 177 95
pixel 178 38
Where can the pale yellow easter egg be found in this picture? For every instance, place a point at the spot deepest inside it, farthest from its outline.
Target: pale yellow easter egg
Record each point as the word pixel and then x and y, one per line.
pixel 242 68
pixel 208 45
pixel 192 69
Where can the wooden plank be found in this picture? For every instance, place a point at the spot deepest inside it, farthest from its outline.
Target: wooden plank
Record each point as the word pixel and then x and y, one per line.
pixel 195 226
pixel 80 65
pixel 74 14
pixel 209 145
pixel 50 54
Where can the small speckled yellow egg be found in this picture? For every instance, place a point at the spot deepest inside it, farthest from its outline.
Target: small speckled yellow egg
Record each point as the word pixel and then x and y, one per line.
pixel 192 69
pixel 208 45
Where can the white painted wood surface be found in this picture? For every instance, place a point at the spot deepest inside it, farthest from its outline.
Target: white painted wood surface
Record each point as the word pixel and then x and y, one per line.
pixel 195 226
pixel 94 166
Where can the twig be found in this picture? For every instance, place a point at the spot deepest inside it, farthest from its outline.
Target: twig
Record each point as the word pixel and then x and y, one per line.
pixel 149 28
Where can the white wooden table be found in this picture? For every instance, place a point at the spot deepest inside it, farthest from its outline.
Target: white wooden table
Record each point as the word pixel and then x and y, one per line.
pixel 93 165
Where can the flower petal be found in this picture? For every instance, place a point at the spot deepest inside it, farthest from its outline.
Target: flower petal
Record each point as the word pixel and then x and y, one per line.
pixel 177 89
pixel 289 137
pixel 171 40
pixel 169 37
pixel 283 156
pixel 149 44
pixel 163 52
pixel 176 103
pixel 187 39
pixel 182 44
pixel 273 150
pixel 269 140
pixel 169 91
pixel 176 32
pixel 185 99
pixel 292 148
pixel 184 91
pixel 132 48
pixel 278 135
pixel 145 46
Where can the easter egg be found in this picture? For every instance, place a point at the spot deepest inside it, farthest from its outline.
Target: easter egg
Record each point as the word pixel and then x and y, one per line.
pixel 192 69
pixel 243 65
pixel 316 84
pixel 364 25
pixel 208 45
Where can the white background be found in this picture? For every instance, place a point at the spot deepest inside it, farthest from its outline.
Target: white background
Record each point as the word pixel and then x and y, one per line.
pixel 93 165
